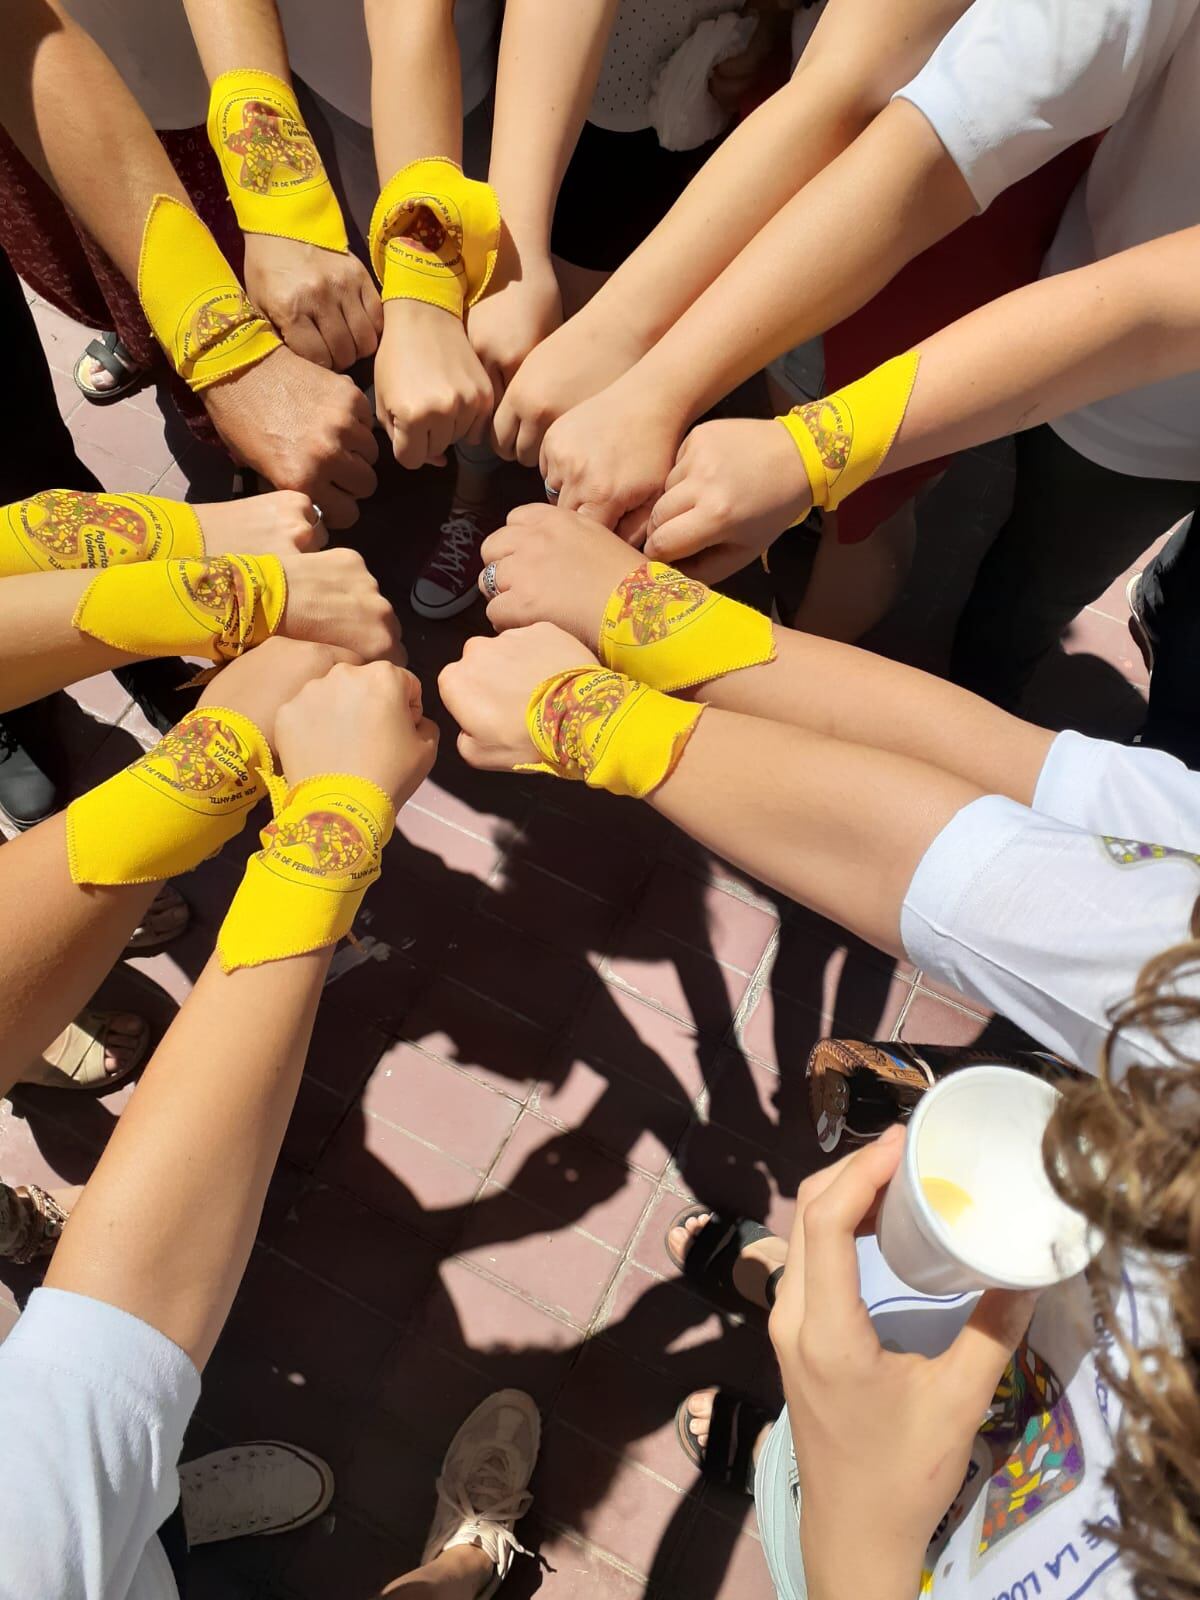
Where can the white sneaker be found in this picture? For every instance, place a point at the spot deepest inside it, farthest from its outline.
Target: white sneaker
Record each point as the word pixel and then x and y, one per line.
pixel 483 1491
pixel 258 1488
pixel 449 581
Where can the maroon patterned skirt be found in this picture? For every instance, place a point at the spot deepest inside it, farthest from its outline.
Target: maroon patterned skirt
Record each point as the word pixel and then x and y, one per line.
pixel 61 261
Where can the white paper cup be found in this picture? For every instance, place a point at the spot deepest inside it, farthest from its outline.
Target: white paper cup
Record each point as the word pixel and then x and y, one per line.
pixel 999 1225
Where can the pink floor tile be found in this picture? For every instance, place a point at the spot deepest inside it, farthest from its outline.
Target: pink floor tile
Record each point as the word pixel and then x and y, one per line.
pixel 63 340
pixel 679 903
pixel 767 1108
pixel 429 1392
pixel 573 1181
pixel 569 1569
pixel 345 1556
pixel 931 1020
pixel 718 1561
pixel 102 697
pixel 740 1178
pixel 845 981
pixel 344 1050
pixel 558 1267
pixel 116 472
pixel 634 1123
pixel 629 1409
pixel 390 1481
pixel 642 1042
pixel 126 432
pixel 606 864
pixel 1094 634
pixel 609 1500
pixel 433 850
pixel 685 1339
pixel 537 901
pixel 442 1107
pixel 314 1120
pixel 649 1249
pixel 480 1038
pixel 683 982
pixel 396 1174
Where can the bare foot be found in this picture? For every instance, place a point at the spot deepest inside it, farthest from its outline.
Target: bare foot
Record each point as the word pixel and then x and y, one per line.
pixel 95 376
pixel 699 1411
pixel 753 1267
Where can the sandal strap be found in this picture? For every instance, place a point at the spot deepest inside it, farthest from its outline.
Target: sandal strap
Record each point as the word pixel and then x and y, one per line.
pixel 37 1222
pixel 736 1423
pixel 112 355
pixel 715 1249
pixel 81 1040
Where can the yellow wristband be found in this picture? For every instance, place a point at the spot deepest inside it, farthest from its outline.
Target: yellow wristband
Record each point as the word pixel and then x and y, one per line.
pixel 197 308
pixel 276 179
pixel 670 632
pixel 175 806
pixel 455 221
pixel 600 728
pixel 303 889
pixel 66 530
pixel 214 606
pixel 844 439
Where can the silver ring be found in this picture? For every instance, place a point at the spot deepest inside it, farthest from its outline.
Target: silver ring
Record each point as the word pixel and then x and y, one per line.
pixel 319 515
pixel 488 579
pixel 552 494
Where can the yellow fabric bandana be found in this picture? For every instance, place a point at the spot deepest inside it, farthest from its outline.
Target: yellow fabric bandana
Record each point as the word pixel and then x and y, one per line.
pixel 303 889
pixel 670 632
pixel 454 223
pixel 276 179
pixel 600 728
pixel 844 439
pixel 197 308
pixel 65 530
pixel 175 806
pixel 215 606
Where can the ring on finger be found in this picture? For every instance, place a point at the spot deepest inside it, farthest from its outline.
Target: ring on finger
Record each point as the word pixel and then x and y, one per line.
pixel 488 580
pixel 552 493
pixel 318 516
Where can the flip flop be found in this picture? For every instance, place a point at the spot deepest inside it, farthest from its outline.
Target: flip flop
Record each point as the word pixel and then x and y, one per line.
pixel 733 1430
pixel 715 1249
pixel 108 352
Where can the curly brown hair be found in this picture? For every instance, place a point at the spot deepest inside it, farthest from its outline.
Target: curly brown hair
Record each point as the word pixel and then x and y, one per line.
pixel 1125 1150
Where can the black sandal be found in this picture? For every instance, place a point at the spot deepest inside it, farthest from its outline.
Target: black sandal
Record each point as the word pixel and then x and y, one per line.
pixel 108 352
pixel 715 1249
pixel 733 1430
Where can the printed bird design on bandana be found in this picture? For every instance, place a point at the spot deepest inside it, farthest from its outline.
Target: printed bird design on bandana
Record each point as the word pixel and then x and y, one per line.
pixel 214 321
pixel 322 842
pixel 576 713
pixel 61 520
pixel 269 139
pixel 203 756
pixel 832 431
pixel 652 601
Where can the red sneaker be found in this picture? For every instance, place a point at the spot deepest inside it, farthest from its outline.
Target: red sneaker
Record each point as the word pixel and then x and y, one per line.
pixel 448 582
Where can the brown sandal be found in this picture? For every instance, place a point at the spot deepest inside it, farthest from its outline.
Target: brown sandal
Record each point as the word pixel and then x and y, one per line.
pixel 75 1060
pixel 167 916
pixel 31 1223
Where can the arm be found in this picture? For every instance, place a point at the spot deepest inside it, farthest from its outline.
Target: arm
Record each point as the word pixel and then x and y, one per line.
pixel 216 1098
pixel 430 388
pixel 322 301
pixel 1038 353
pixel 856 58
pixel 550 58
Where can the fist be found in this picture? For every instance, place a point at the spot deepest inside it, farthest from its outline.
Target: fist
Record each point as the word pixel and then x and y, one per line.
pixel 365 720
pixel 279 524
pixel 522 306
pixel 259 682
pixel 322 302
pixel 333 599
pixel 488 691
pixel 555 566
pixel 430 389
pixel 301 427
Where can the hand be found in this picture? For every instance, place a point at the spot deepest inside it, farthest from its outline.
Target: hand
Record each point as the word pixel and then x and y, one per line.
pixel 555 566
pixel 362 720
pixel 258 683
pixel 333 599
pixel 323 304
pixel 522 307
pixel 569 366
pixel 487 692
pixel 430 389
pixel 302 428
pixel 610 457
pixel 882 1439
pixel 735 487
pixel 279 524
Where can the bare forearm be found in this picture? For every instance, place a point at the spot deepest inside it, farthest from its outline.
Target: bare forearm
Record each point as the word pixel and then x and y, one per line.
pixel 416 87
pixel 40 648
pixel 1053 346
pixel 166 1224
pixel 886 198
pixel 238 33
pixel 56 952
pixel 550 57
pixel 858 56
pixel 836 826
pixel 842 692
pixel 66 108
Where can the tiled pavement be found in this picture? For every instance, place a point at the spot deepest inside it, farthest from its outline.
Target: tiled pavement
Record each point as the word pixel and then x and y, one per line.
pixel 571 1021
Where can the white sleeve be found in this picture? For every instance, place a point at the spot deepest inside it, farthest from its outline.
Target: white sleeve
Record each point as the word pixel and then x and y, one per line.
pixel 93 1408
pixel 1122 791
pixel 1015 82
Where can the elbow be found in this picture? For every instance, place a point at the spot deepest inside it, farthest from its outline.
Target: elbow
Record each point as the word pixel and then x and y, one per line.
pixel 845 102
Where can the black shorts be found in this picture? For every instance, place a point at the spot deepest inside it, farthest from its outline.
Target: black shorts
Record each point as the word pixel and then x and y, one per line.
pixel 617 189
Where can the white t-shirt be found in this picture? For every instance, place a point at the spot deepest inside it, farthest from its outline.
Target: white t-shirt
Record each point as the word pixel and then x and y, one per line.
pixel 645 36
pixel 328 48
pixel 93 1408
pixel 1016 81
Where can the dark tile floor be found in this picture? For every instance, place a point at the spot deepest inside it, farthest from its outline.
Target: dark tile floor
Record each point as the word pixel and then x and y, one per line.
pixel 571 1020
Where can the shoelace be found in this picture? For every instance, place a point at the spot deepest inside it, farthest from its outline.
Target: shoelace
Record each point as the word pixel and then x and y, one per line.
pixel 481 1493
pixel 460 537
pixel 222 1498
